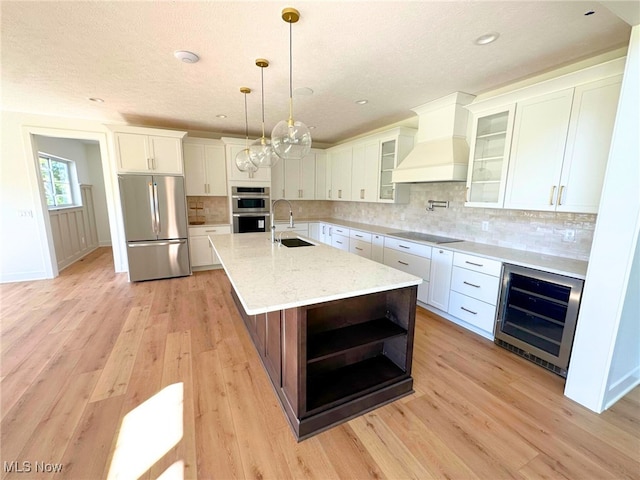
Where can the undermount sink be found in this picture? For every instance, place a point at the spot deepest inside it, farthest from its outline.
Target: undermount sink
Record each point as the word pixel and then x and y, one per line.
pixel 295 242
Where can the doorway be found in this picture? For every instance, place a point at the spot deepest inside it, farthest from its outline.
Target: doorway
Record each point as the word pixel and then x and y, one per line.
pixel 95 143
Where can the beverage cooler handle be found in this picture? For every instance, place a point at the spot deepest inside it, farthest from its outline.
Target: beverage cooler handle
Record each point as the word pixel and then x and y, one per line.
pixel 157 208
pixel 152 204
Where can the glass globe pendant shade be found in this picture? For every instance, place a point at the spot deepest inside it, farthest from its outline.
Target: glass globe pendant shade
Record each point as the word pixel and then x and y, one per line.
pixel 244 163
pixel 262 154
pixel 291 139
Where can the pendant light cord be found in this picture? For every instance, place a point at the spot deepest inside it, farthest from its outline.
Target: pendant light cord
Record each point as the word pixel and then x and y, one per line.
pixel 262 94
pixel 290 74
pixel 246 123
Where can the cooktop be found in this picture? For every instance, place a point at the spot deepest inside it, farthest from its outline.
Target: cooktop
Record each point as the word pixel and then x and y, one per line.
pixel 423 237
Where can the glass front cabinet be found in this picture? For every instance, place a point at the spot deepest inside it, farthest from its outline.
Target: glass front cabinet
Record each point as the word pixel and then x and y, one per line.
pixel 489 157
pixel 393 150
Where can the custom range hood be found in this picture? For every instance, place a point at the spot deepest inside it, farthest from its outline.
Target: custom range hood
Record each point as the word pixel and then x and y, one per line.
pixel 441 153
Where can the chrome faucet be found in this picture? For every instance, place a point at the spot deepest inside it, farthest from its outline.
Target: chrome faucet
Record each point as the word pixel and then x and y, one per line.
pixel 273 214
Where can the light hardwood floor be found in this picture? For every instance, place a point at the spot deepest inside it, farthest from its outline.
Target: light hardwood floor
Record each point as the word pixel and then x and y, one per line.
pixel 133 380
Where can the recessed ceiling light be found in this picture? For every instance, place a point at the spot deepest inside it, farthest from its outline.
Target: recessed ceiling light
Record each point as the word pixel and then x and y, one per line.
pixel 96 99
pixel 221 116
pixel 312 127
pixel 186 56
pixel 362 102
pixel 486 38
pixel 590 12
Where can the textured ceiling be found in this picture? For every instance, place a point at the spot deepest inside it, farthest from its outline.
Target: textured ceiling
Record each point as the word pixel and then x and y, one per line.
pixel 395 54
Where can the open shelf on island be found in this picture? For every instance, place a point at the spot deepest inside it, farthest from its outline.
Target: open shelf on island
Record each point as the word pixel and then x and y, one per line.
pixel 340 340
pixel 338 386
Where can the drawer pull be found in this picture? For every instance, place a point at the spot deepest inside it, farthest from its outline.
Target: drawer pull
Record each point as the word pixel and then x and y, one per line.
pixel 338 241
pixel 358 248
pixel 404 246
pixel 403 263
pixel 474 264
pixel 210 231
pixel 467 310
pixel 359 236
pixel 471 284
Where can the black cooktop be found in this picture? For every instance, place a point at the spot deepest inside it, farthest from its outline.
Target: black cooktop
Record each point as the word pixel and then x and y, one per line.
pixel 423 237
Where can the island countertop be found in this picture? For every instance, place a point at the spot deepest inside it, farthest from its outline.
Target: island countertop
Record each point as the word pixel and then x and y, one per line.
pixel 268 277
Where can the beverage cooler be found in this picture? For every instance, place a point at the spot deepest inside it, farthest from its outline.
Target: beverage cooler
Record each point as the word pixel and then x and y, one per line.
pixel 537 316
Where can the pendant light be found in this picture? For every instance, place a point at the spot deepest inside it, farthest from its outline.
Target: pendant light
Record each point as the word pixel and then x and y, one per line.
pixel 262 154
pixel 290 138
pixel 243 158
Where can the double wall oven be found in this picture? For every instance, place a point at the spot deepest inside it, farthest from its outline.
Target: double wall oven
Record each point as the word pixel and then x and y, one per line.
pixel 250 209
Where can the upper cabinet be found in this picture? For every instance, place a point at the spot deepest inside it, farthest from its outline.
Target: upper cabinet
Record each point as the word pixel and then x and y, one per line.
pixel 489 157
pixel 364 171
pixel 545 146
pixel 233 146
pixel 341 161
pixel 295 179
pixel 323 176
pixel 204 167
pixel 394 147
pixel 148 150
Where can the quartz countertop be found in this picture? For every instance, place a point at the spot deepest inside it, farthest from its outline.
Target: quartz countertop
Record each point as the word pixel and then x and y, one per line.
pixel 540 261
pixel 268 277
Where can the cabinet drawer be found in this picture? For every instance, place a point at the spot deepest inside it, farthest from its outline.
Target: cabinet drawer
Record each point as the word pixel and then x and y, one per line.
pixel 474 284
pixel 477 264
pixel 475 312
pixel 418 266
pixel 209 230
pixel 341 230
pixel 377 240
pixel 360 247
pixel 408 247
pixel 360 235
pixel 340 241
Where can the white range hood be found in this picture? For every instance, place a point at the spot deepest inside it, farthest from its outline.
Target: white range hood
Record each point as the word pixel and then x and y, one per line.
pixel 441 153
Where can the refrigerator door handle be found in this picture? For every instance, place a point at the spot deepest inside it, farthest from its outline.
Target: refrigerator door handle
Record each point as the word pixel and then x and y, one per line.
pixel 157 244
pixel 156 208
pixel 152 204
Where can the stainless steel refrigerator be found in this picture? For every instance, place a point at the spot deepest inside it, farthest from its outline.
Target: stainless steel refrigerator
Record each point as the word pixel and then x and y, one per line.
pixel 155 226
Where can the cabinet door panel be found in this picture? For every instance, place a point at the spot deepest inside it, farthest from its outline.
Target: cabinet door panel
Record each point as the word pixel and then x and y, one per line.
pixel 167 154
pixel 216 170
pixel 194 169
pixel 308 177
pixel 341 174
pixel 133 152
pixel 440 278
pixel 539 139
pixel 592 119
pixel 201 251
pixel 292 170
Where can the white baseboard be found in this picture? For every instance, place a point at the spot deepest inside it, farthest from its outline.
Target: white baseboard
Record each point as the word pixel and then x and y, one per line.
pixel 23 277
pixel 623 386
pixel 106 243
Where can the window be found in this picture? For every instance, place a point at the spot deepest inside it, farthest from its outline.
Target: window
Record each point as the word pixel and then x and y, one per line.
pixel 56 177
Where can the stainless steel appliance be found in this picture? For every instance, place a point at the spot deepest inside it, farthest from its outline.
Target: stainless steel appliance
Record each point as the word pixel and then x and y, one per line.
pixel 537 316
pixel 250 209
pixel 155 226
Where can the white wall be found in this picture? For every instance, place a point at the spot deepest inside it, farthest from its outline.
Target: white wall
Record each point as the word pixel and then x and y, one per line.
pixel 24 247
pixel 94 160
pixel 609 300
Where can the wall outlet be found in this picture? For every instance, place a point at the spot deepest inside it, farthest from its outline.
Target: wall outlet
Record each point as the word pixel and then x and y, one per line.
pixel 485 226
pixel 569 235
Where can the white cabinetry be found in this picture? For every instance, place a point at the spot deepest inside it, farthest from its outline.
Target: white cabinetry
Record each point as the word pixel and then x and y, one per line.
pixel 394 147
pixel 377 248
pixel 539 139
pixel 489 157
pixel 201 252
pixel 298 229
pixel 475 283
pixel 204 167
pixel 148 150
pixel 233 146
pixel 364 172
pixel 590 130
pixel 314 231
pixel 360 243
pixel 341 161
pixel 299 178
pixel 323 176
pixel 440 278
pixel 410 257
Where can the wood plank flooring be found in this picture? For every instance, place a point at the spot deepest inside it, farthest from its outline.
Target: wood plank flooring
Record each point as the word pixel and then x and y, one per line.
pixel 159 379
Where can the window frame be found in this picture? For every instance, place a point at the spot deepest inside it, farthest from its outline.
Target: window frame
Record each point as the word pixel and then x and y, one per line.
pixel 70 173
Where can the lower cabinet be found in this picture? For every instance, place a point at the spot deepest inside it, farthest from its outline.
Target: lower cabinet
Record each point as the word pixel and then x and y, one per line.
pixel 360 243
pixel 440 278
pixel 475 284
pixel 339 241
pixel 298 229
pixel 417 263
pixel 377 248
pixel 201 252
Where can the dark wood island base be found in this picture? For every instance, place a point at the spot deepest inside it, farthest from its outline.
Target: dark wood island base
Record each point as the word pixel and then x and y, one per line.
pixel 330 362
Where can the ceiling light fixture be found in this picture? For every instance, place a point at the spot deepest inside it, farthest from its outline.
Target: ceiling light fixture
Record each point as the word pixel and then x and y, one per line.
pixel 290 138
pixel 221 116
pixel 362 102
pixel 243 158
pixel 487 38
pixel 96 100
pixel 262 154
pixel 186 56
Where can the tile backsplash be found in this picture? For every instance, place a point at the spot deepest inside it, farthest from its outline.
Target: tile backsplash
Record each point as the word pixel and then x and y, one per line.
pixel 208 209
pixel 535 231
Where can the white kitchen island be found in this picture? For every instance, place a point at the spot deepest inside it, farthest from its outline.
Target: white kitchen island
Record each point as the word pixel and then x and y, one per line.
pixel 334 331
